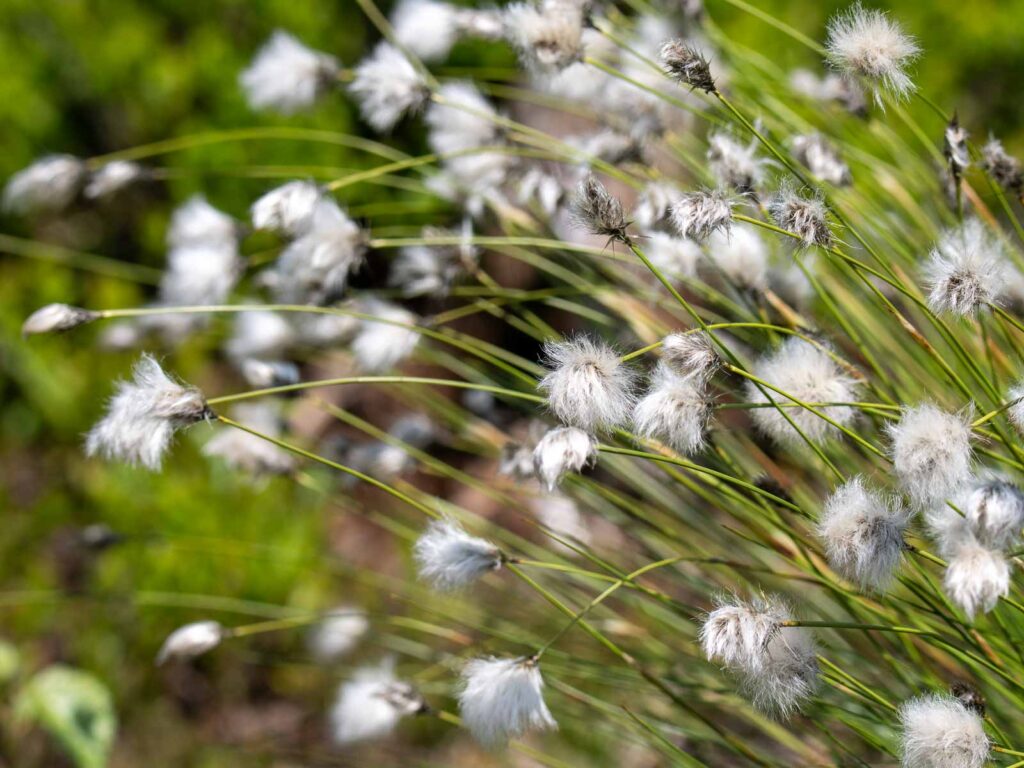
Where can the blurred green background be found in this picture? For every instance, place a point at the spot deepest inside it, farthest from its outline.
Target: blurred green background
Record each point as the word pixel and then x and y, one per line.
pixel 95 77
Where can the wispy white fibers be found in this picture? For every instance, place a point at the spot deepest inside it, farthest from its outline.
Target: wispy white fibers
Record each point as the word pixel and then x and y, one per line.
pixel 424 270
pixel 287 209
pixel 190 641
pixel 563 450
pixel 775 665
pixel 866 44
pixel 803 215
pixel 1004 167
pixel 674 257
pixel 315 267
pixel 734 165
pixel 862 530
pixel 691 354
pixel 821 158
pixel 976 577
pixel 809 374
pixel 740 254
pixel 966 270
pixel 246 452
pixel 387 86
pixel 449 558
pixel 463 119
pixel 428 28
pixel 676 410
pixel 993 508
pixel 587 386
pixel 49 185
pixel 502 699
pixel 286 76
pixel 197 223
pixel 931 452
pixel 371 704
pixel 143 416
pixel 653 204
pixel 547 33
pixel 338 633
pixel 940 732
pixel 382 343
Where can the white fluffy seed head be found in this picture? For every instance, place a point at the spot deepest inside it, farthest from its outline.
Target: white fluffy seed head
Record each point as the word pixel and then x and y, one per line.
pixel 112 177
pixel 597 210
pixel 675 410
pixel 1015 412
pixel 197 223
pixel 862 530
pixel 287 209
pixel 741 256
pixel 702 213
pixel 821 158
pixel 1004 167
pixel 424 270
pixel 807 217
pixel 199 275
pixel 314 268
pixel 371 704
pixel 734 165
pixel 994 510
pixel 286 76
pixel 587 386
pixel 428 28
pixel 866 44
pixel 547 33
pixel 143 416
pixel 463 119
pixel 940 732
pixel 691 354
pixel 387 86
pixel 736 632
pixel 190 641
pixel 450 559
pixel 653 204
pixel 931 452
pixel 338 633
pixel 976 577
pixel 809 374
pixel 56 318
pixel 687 65
pixel 563 450
pixel 260 334
pixel 49 185
pixel 381 344
pixel 247 453
pixel 966 270
pixel 501 699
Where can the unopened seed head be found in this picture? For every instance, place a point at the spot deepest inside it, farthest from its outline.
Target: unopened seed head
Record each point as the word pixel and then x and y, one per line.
pixel 190 641
pixel 56 318
pixel 686 64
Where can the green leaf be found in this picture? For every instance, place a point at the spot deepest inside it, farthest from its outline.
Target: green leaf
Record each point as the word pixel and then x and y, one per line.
pixel 76 708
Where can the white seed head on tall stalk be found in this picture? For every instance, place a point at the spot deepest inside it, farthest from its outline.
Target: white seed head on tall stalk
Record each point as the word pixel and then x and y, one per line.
pixel 371 704
pixel 821 158
pixel 702 213
pixel 976 577
pixel 546 33
pixel 49 185
pixel 597 211
pixel 287 209
pixel 199 275
pixel 810 375
pixel 940 732
pixel 381 344
pixel 687 65
pixel 587 385
pixel 805 216
pixel 931 452
pixel 560 451
pixel 285 76
pixel 143 416
pixel 314 268
pixel 462 120
pixel 337 634
pixel 966 270
pixel 675 257
pixel 862 530
pixel 190 641
pixel 1004 167
pixel 675 410
pixel 993 508
pixel 736 633
pixel 734 165
pixel 427 28
pixel 56 318
pixel 246 452
pixel 867 45
pixel 387 86
pixel 691 355
pixel 110 178
pixel 787 676
pixel 740 255
pixel 450 559
pixel 503 698
pixel 197 223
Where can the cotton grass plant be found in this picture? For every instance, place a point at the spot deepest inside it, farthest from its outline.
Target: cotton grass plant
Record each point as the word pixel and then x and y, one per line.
pixel 764 381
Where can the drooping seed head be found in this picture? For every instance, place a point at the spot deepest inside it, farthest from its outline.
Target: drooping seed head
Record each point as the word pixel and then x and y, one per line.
pixel 190 641
pixel 940 732
pixel 56 318
pixel 501 699
pixel 587 386
pixel 450 559
pixel 700 214
pixel 560 451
